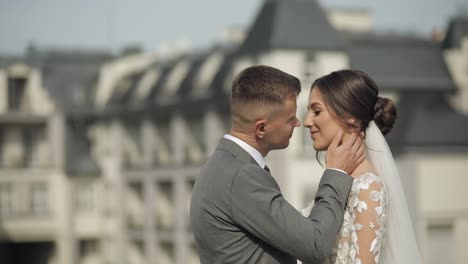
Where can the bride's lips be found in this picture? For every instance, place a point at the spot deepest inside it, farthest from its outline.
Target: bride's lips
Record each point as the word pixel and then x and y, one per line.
pixel 313 133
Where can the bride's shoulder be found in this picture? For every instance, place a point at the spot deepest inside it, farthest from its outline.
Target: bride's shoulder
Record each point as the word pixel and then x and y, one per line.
pixel 368 178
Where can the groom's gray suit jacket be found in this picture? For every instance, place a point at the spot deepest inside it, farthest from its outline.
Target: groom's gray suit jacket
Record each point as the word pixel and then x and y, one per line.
pixel 238 214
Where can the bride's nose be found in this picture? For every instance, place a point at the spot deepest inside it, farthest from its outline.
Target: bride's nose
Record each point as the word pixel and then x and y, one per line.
pixel 308 120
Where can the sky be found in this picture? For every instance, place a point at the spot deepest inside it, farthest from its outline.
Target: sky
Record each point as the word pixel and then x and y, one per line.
pixel 111 25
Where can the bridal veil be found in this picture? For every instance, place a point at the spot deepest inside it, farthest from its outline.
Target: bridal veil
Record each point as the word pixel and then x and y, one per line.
pixel 399 244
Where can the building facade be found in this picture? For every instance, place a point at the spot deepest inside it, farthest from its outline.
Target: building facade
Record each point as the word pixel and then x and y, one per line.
pixel 99 154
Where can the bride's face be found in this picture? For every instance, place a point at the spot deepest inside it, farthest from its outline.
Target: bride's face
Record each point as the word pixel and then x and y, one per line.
pixel 321 123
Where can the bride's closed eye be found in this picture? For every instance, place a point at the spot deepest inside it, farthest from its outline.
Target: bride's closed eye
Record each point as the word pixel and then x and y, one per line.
pixel 313 108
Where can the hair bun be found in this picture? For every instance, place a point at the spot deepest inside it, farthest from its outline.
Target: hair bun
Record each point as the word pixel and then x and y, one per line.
pixel 385 114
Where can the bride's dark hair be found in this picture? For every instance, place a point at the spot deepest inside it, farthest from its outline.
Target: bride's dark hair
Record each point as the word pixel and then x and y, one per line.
pixel 353 94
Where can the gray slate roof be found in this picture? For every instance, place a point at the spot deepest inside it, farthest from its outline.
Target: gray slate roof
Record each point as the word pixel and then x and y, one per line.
pixel 295 24
pixel 401 63
pixel 427 120
pixel 70 77
pixel 6 61
pixel 458 29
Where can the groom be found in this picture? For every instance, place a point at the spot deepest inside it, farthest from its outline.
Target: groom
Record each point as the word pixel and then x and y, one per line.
pixel 237 211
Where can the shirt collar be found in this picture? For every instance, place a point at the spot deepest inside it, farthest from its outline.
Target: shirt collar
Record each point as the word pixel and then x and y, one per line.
pixel 251 150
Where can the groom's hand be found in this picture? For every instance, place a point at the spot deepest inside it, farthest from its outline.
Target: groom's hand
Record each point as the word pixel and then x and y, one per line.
pixel 346 156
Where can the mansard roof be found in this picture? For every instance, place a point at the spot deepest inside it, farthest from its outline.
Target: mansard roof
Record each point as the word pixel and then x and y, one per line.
pixel 458 29
pixel 401 63
pixel 183 98
pixel 395 62
pixel 292 24
pixel 428 120
pixel 187 84
pixel 69 76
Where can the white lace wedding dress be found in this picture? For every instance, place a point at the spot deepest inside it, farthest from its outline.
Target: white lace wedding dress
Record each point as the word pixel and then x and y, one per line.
pixel 365 218
pixel 374 231
pixel 364 222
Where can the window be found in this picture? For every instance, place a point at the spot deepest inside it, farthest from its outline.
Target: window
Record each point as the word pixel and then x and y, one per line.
pixel 16 91
pixel 88 247
pixel 13 150
pixel 85 197
pixel 6 199
pixel 39 198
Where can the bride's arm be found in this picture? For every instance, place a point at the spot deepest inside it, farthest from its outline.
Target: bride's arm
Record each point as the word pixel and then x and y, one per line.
pixel 370 212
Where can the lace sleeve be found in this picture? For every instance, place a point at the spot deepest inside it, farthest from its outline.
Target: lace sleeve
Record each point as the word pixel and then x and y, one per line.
pixel 369 219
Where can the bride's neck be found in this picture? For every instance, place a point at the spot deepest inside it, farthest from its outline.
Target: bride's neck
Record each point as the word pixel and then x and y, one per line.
pixel 364 167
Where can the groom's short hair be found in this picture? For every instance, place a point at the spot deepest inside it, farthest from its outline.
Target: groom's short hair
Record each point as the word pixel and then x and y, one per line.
pixel 263 85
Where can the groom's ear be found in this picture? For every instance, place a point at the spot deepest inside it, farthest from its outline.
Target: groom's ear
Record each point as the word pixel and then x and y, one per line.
pixel 260 125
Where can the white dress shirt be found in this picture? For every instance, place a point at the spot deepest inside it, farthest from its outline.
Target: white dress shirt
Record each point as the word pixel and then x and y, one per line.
pixel 251 150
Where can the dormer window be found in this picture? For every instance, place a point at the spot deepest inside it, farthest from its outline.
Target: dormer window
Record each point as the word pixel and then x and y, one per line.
pixel 145 85
pixel 16 93
pixel 207 72
pixel 17 83
pixel 175 78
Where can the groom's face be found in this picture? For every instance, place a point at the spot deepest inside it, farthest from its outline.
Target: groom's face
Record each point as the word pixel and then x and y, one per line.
pixel 281 124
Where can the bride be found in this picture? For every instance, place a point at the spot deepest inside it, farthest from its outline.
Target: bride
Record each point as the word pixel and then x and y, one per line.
pixel 377 227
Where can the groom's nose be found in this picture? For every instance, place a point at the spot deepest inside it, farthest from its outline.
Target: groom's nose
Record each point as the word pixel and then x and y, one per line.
pixel 297 123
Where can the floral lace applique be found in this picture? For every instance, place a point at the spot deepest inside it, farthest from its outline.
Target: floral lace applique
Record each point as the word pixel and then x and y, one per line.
pixel 365 214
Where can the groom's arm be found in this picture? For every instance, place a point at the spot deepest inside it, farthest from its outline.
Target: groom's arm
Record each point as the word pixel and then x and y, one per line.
pixel 259 207
pixel 332 195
